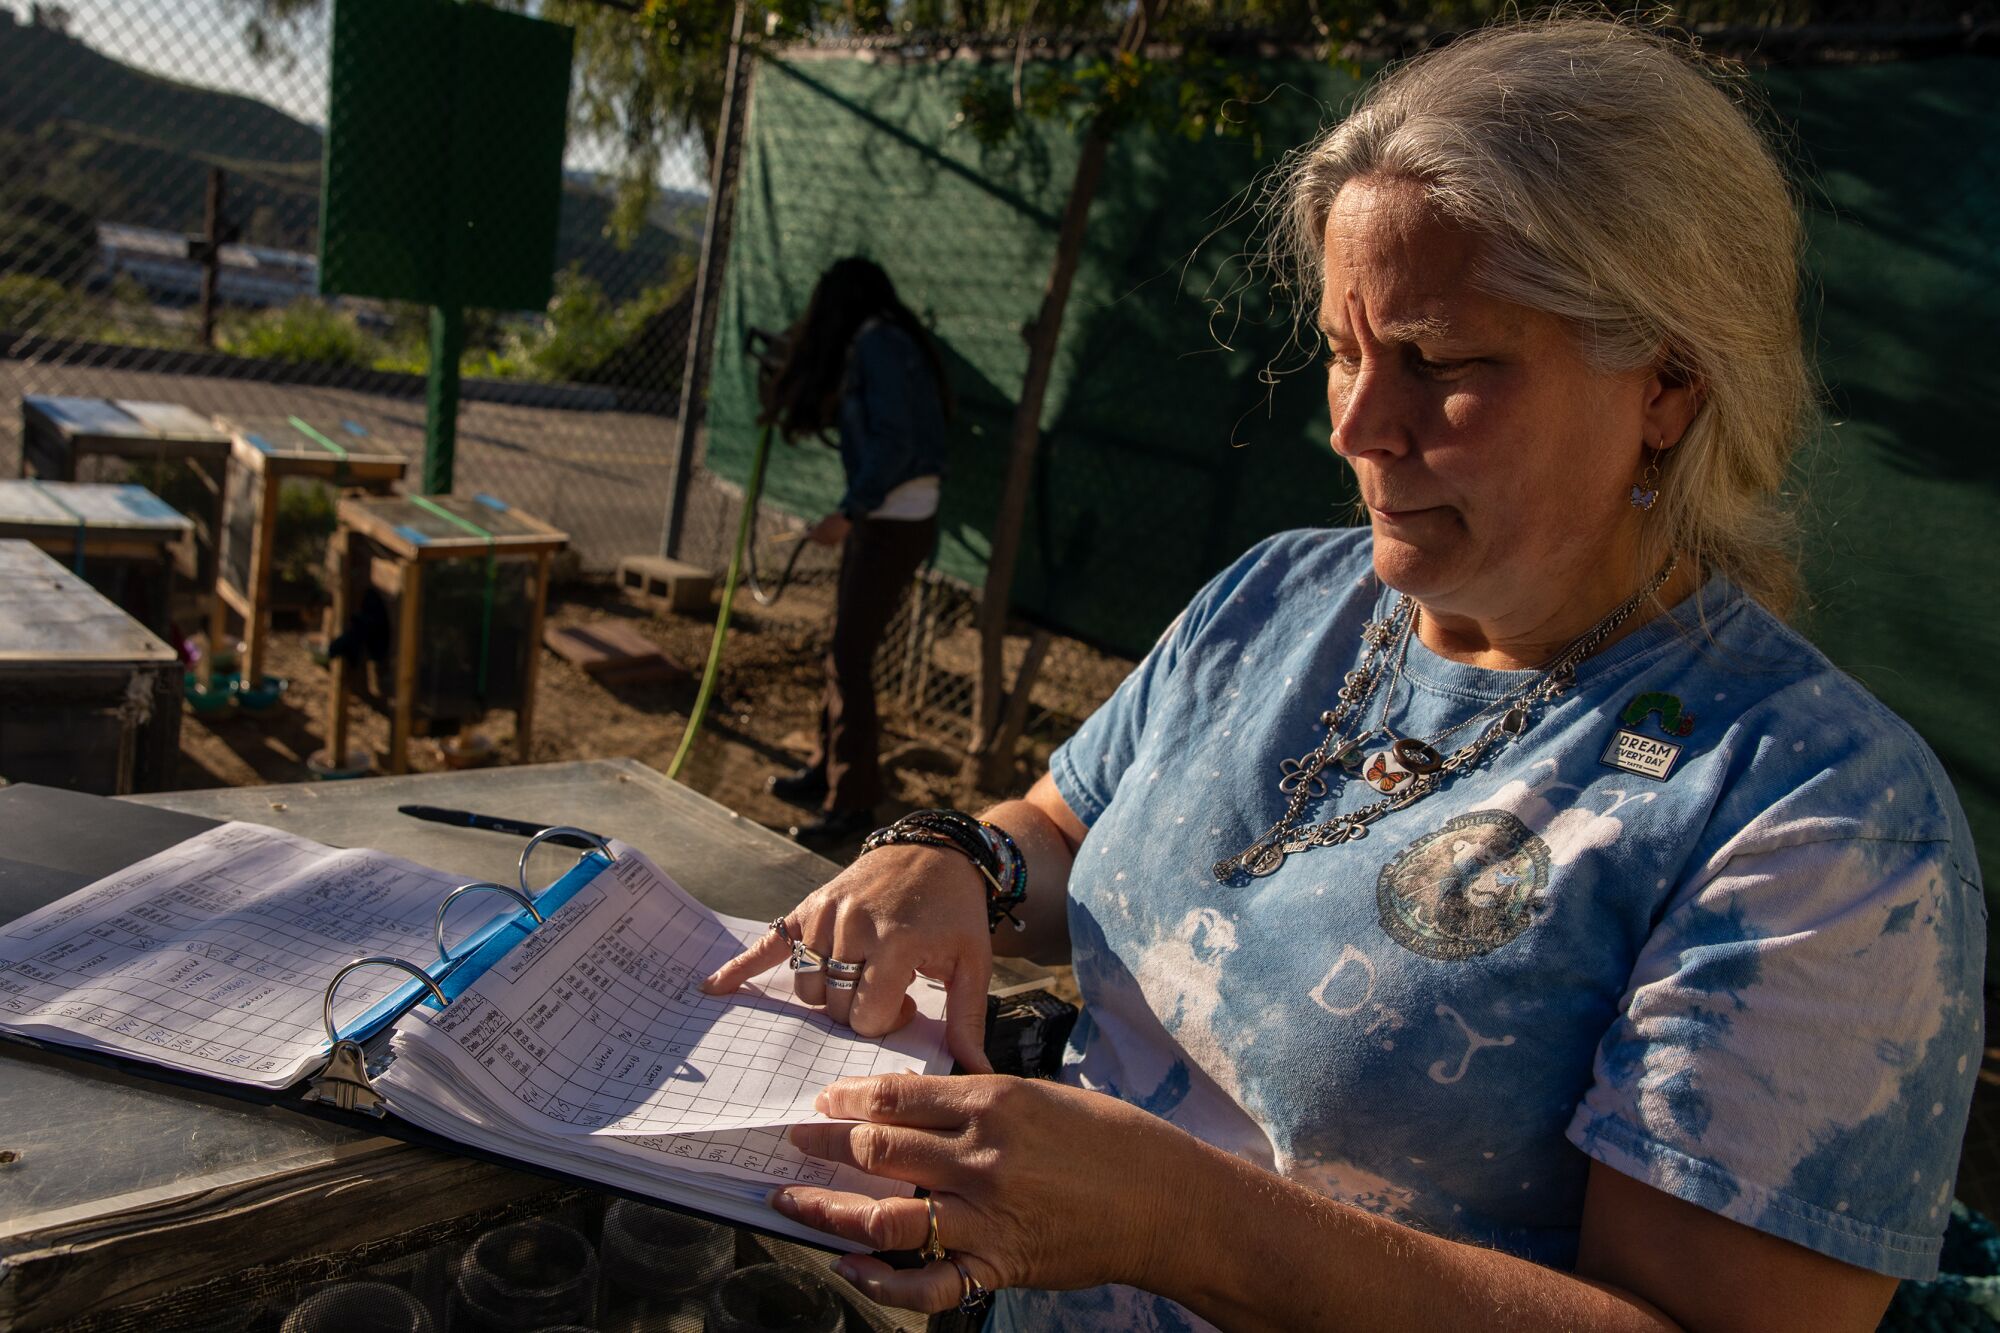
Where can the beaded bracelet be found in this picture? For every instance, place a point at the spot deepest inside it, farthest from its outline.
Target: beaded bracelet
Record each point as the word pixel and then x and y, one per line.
pixel 990 849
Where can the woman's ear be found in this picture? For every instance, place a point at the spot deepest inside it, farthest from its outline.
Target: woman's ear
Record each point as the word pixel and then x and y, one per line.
pixel 1674 396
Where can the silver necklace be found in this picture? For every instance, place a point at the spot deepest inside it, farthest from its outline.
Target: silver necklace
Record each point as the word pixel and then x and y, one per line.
pixel 1303 779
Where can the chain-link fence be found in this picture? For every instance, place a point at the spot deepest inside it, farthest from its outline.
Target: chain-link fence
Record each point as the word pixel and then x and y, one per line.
pixel 123 127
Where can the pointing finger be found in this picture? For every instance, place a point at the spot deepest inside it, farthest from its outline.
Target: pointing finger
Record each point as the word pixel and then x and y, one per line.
pixel 769 950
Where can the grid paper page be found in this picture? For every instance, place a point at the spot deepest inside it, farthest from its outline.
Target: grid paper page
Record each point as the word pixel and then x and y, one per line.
pixel 213 955
pixel 595 1024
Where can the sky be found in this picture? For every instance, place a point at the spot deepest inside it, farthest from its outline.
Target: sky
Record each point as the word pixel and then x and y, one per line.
pixel 202 42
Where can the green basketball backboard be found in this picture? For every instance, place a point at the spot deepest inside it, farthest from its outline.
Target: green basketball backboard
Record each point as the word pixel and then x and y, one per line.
pixel 443 176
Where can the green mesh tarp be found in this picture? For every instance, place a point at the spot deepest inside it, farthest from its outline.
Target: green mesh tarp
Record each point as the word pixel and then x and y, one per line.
pixel 1165 454
pixel 1138 495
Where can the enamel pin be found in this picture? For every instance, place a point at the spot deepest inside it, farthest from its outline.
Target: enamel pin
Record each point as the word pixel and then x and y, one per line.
pixel 1633 751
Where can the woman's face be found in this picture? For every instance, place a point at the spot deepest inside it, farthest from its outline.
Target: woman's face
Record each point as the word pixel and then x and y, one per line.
pixel 1496 465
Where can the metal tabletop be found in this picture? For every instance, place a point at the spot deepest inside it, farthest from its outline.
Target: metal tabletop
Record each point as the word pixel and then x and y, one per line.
pixel 121 1184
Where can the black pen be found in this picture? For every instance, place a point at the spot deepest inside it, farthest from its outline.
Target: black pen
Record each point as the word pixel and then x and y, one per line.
pixel 494 823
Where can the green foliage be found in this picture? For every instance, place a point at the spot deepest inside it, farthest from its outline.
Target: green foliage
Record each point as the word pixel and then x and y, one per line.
pixel 306 330
pixel 305 525
pixel 173 481
pixel 30 304
pixel 1196 95
pixel 42 305
pixel 583 332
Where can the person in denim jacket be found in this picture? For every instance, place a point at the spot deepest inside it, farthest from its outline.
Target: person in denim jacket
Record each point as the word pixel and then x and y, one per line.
pixel 859 362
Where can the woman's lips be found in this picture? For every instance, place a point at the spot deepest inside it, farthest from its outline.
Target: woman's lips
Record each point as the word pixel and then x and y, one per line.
pixel 1405 515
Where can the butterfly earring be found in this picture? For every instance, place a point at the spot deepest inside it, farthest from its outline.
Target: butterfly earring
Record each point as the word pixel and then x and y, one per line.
pixel 1647 489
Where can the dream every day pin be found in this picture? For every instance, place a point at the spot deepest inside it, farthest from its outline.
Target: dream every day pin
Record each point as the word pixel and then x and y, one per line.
pixel 1633 751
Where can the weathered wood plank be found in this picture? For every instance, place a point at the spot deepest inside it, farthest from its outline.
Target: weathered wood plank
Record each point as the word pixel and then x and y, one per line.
pixel 27 506
pixel 170 420
pixel 49 617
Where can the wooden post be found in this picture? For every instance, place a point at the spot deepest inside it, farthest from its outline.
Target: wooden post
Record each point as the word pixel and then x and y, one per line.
pixel 339 553
pixel 263 544
pixel 218 621
pixel 707 286
pixel 1042 335
pixel 211 254
pixel 524 716
pixel 409 624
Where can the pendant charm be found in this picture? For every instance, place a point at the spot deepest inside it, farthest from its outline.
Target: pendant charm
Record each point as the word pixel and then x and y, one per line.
pixel 1417 756
pixel 1263 859
pixel 1348 756
pixel 1301 772
pixel 1384 771
pixel 1515 720
pixel 1643 498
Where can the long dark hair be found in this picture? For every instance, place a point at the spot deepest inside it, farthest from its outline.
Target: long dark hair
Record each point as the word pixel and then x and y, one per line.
pixel 804 396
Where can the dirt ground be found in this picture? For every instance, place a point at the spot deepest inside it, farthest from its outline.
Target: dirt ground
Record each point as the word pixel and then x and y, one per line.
pixel 760 720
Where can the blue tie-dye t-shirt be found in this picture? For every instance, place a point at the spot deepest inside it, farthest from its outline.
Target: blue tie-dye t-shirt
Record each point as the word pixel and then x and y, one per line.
pixel 1727 939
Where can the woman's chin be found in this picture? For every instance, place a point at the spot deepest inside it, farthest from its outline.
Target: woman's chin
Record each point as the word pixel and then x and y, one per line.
pixel 1421 571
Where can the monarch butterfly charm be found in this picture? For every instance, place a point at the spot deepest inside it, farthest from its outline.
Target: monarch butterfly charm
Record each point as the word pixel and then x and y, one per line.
pixel 1384 773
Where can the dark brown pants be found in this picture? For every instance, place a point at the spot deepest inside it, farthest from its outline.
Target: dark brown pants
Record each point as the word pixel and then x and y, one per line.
pixel 876 563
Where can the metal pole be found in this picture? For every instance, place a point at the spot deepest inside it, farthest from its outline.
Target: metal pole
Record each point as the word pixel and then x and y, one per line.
pixel 708 287
pixel 441 396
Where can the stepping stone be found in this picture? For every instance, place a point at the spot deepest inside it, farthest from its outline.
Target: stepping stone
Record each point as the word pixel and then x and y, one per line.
pixel 612 653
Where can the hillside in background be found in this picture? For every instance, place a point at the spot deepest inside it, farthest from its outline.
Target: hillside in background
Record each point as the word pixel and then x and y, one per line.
pixel 85 138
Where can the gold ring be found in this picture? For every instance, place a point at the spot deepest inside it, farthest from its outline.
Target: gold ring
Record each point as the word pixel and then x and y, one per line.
pixel 933 1249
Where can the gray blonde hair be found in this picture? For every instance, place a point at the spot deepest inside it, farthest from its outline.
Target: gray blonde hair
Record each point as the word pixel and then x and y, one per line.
pixel 1620 185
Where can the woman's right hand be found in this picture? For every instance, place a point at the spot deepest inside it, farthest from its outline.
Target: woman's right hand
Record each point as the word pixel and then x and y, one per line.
pixel 899 911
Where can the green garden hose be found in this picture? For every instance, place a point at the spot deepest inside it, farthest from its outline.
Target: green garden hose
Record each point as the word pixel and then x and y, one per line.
pixel 744 527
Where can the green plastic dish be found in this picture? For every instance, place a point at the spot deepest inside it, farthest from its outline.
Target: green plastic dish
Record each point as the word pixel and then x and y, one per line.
pixel 217 695
pixel 263 695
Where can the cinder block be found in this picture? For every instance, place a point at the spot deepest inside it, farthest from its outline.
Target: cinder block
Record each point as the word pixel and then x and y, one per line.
pixel 664 584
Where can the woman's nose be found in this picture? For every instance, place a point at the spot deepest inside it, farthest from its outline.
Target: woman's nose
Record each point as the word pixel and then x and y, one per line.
pixel 1367 411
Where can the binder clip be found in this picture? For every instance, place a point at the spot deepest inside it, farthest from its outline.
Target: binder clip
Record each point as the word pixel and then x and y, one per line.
pixel 344 1081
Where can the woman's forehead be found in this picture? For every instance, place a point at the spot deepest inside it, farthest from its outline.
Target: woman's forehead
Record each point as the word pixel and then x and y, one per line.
pixel 1396 262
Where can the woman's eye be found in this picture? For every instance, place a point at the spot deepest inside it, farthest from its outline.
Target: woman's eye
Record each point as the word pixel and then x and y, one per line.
pixel 1440 370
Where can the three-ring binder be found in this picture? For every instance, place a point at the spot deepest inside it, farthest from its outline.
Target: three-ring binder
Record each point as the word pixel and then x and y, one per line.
pixel 343 1081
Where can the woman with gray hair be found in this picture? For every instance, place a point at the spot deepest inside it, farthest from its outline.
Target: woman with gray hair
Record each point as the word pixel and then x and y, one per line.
pixel 1495 916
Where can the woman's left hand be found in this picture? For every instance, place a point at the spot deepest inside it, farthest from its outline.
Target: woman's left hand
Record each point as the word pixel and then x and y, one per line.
pixel 1035 1184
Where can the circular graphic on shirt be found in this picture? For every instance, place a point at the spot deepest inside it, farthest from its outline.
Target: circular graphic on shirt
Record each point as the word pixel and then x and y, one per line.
pixel 1466 889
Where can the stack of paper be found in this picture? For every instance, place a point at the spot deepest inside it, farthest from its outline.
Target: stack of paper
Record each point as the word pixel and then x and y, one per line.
pixel 213 956
pixel 590 1048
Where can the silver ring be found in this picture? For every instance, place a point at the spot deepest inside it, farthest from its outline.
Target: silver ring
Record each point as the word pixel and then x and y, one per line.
pixel 837 968
pixel 973 1298
pixel 841 983
pixel 782 928
pixel 483 886
pixel 326 1005
pixel 521 869
pixel 804 960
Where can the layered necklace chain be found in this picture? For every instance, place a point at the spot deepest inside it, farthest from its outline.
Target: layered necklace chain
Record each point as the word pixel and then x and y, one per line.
pixel 1419 767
